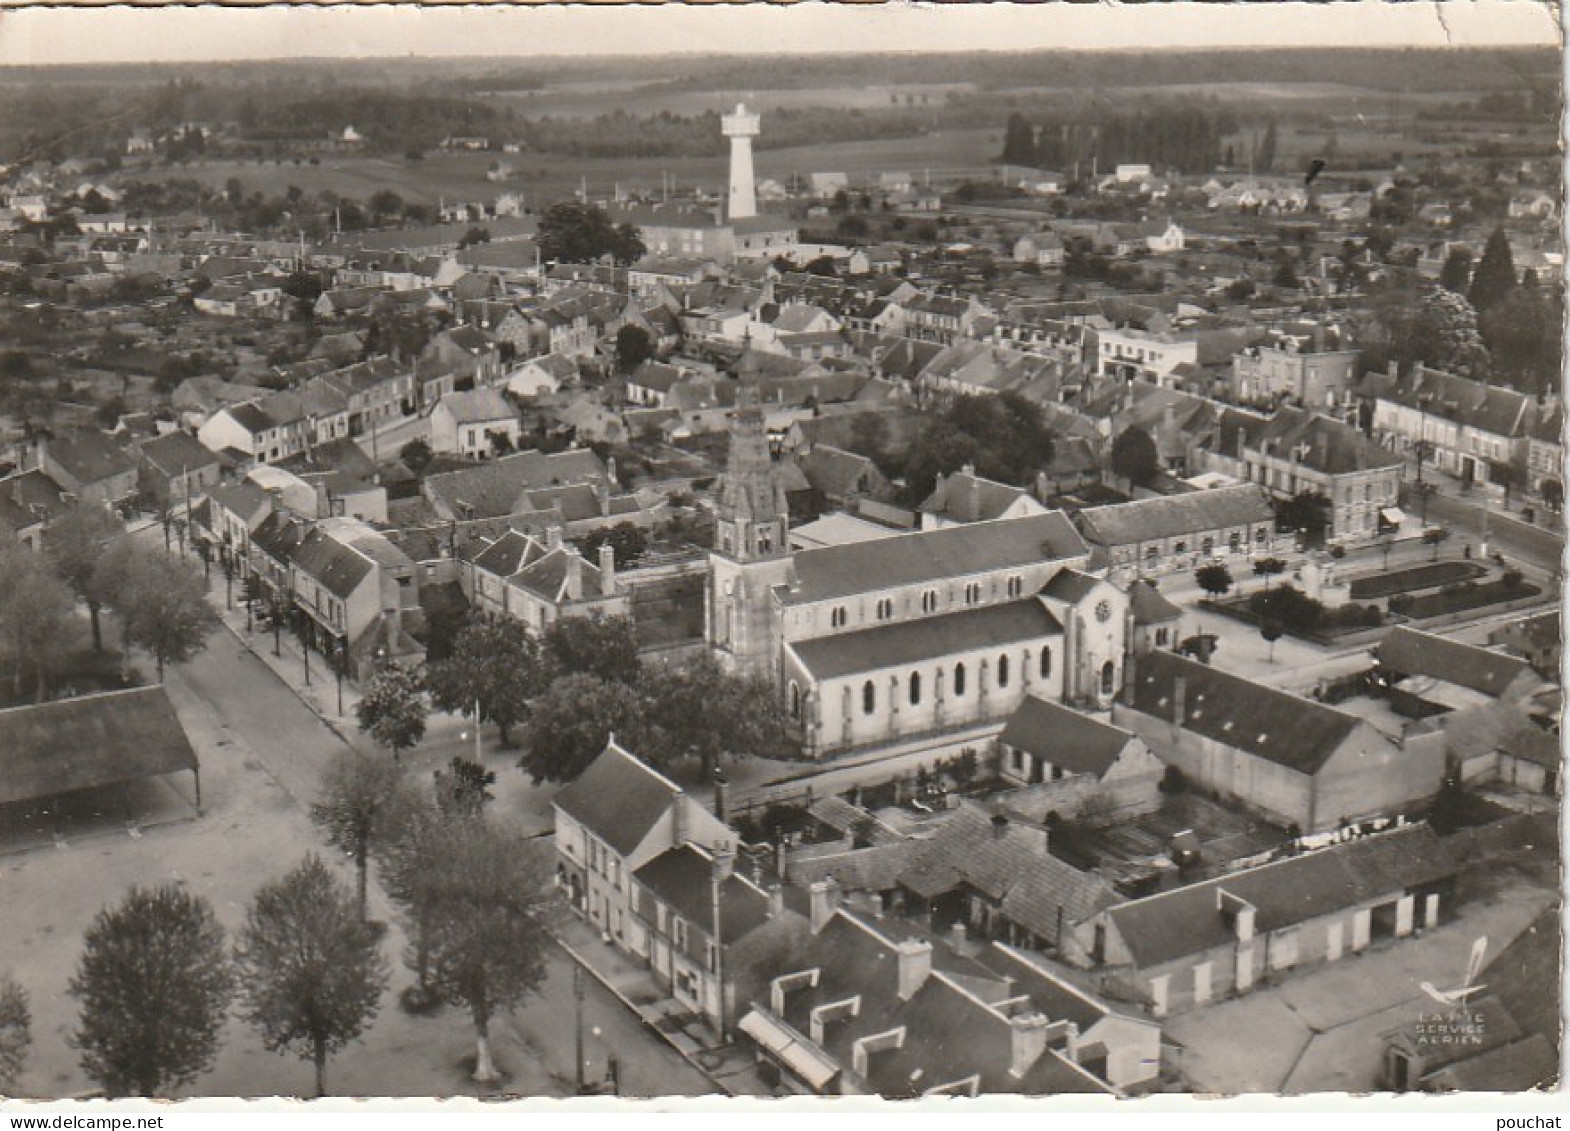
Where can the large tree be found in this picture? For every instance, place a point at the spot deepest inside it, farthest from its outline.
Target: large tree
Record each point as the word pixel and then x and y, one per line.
pixel 361 801
pixel 75 544
pixel 1523 335
pixel 496 664
pixel 572 232
pixel 16 1032
pixel 1308 513
pixel 163 605
pixel 154 983
pixel 1134 455
pixel 392 710
pixel 633 347
pixel 35 617
pixel 1456 274
pixel 1214 578
pixel 571 722
pixel 492 925
pixel 1496 274
pixel 698 710
pixel 601 646
pixel 313 970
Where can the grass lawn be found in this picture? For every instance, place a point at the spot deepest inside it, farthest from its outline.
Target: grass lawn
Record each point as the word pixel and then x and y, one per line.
pixel 1490 593
pixel 1414 578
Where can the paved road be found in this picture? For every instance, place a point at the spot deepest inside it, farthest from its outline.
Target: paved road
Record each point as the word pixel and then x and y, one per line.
pixel 1506 533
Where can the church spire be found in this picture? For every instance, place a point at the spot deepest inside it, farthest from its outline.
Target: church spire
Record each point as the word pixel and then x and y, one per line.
pixel 752 511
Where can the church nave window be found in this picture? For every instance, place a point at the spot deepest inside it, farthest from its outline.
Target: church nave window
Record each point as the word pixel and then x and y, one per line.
pixel 837 617
pixel 795 700
pixel 972 593
pixel 1016 586
pixel 869 698
pixel 1046 662
pixel 959 679
pixel 1003 670
pixel 885 608
pixel 915 688
pixel 929 601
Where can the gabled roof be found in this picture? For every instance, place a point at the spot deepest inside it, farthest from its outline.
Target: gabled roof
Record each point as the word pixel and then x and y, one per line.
pixel 1268 723
pixel 1064 737
pixel 1409 651
pixel 1071 586
pixel 508 554
pixel 176 453
pixel 1331 447
pixel 1148 520
pixel 477 406
pixel 1148 604
pixel 1187 921
pixel 618 798
pixel 932 555
pixel 833 471
pixel 336 567
pixel 920 641
pixel 968 497
pixel 89 457
pixel 682 878
pixel 493 488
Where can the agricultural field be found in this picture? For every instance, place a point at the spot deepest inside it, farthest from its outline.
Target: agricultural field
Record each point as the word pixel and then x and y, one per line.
pixel 590 99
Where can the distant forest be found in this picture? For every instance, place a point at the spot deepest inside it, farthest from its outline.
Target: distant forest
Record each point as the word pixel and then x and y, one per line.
pixel 1185 137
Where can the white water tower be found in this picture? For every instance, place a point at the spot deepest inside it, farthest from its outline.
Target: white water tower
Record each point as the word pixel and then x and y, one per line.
pixel 741 127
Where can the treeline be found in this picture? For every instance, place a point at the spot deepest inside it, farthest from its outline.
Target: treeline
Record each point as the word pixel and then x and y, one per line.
pixel 1186 137
pixel 390 123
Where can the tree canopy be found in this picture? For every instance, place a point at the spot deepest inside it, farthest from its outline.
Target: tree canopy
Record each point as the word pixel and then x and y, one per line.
pixel 1495 277
pixel 1134 455
pixel 392 708
pixel 16 1032
pixel 35 617
pixel 601 646
pixel 313 970
pixel 162 604
pixel 495 663
pixel 362 799
pixel 571 232
pixel 75 544
pixel 1005 437
pixel 154 983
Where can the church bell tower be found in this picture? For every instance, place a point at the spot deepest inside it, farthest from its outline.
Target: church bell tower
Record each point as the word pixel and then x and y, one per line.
pixel 751 553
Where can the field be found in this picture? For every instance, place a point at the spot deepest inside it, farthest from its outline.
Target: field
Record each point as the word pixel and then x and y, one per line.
pixel 544 177
pixel 589 99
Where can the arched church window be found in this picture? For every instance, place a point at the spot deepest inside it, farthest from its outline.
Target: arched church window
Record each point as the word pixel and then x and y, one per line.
pixel 929 601
pixel 1003 670
pixel 1016 586
pixel 959 679
pixel 795 700
pixel 869 698
pixel 1046 662
pixel 837 617
pixel 1108 676
pixel 915 688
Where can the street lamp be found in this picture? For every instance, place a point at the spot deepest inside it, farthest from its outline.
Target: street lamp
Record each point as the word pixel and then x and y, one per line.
pixel 577 996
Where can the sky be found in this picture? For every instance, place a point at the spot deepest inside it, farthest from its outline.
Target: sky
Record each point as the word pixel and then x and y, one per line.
pixel 31 34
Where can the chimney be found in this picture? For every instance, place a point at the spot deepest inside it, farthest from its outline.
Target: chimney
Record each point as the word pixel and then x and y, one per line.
pixel 915 965
pixel 1394 370
pixel 724 863
pixel 573 589
pixel 776 900
pixel 823 898
pixel 1000 825
pixel 781 864
pixel 607 570
pixel 1179 701
pixel 679 822
pixel 975 495
pixel 1027 1042
pixel 324 503
pixel 610 470
pixel 553 537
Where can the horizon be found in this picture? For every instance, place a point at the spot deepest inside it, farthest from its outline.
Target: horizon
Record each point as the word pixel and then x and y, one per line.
pixel 262 34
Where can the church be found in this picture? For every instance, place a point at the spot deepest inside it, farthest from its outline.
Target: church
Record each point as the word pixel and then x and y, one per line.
pixel 916 634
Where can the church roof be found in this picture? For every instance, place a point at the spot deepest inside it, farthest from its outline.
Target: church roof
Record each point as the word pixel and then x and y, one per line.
pixel 918 641
pixel 931 555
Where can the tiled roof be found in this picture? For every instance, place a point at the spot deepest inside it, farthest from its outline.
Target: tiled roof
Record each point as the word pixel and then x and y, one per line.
pixel 1064 737
pixel 833 471
pixel 1489 408
pixel 1186 921
pixel 1532 744
pixel 1124 524
pixel 932 555
pixel 618 798
pixel 477 406
pixel 547 577
pixel 1409 651
pixel 333 565
pixel 682 878
pixel 1321 444
pixel 920 641
pixel 1070 586
pixel 508 554
pixel 175 453
pixel 1268 723
pixel 493 488
pixel 89 457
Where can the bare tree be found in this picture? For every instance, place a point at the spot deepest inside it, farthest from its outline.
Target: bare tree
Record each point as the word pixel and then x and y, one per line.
pixel 313 970
pixel 75 544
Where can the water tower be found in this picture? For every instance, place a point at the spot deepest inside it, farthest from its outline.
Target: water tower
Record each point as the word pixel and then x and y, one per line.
pixel 741 127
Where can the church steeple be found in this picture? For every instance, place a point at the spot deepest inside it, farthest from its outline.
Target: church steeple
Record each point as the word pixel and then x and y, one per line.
pixel 752 512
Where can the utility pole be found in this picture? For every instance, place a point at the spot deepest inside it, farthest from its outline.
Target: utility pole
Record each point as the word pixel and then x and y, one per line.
pixel 577 995
pixel 479 757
